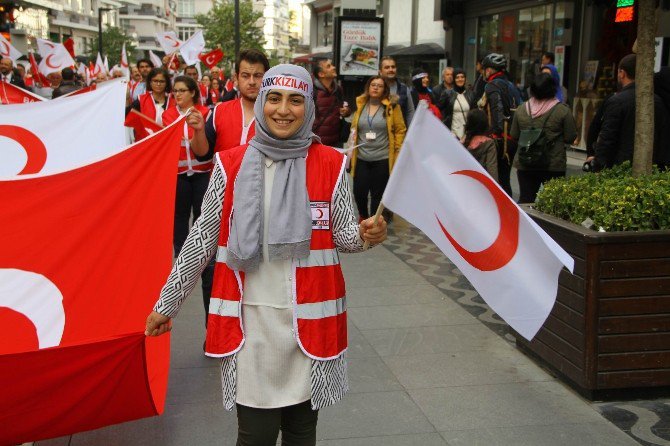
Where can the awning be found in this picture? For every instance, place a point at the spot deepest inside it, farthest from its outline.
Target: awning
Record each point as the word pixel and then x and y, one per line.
pixel 422 49
pixel 310 58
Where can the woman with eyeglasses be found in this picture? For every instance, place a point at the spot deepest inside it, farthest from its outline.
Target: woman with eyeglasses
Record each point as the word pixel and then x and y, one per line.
pixel 380 128
pixel 192 174
pixel 156 100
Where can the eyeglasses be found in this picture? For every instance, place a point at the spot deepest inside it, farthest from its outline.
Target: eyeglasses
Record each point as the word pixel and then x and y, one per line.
pixel 180 91
pixel 157 81
pixel 376 86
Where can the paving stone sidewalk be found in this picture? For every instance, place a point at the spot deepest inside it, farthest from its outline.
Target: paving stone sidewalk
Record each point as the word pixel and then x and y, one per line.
pixel 424 369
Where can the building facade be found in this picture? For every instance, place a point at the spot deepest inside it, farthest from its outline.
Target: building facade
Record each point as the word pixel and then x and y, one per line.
pixel 143 21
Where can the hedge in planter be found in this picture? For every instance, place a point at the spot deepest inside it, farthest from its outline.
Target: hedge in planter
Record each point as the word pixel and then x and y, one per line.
pixel 610 327
pixel 613 199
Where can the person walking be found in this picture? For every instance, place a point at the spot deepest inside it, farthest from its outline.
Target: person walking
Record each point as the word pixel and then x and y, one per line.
pixel 457 103
pixel 476 139
pixel 447 84
pixel 420 91
pixel 388 71
pixel 158 99
pixel 544 112
pixel 214 93
pixel 144 66
pixel 379 126
pixel 278 273
pixel 561 92
pixel 330 105
pixel 68 85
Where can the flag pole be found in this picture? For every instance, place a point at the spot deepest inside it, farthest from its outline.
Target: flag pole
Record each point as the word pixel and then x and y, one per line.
pixel 380 209
pixel 132 110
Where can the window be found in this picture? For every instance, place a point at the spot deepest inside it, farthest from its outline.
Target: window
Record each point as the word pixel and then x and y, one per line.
pixel 186 8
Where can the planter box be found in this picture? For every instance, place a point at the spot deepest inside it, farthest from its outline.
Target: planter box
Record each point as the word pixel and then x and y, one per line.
pixel 610 327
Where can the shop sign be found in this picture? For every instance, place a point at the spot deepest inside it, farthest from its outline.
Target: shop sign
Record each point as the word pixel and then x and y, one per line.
pixel 559 59
pixel 360 47
pixel 508 28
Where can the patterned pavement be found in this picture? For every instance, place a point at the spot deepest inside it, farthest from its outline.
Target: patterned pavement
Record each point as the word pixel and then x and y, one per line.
pixel 646 421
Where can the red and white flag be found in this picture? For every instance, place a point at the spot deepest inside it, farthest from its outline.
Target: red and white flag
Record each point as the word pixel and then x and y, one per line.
pixel 57 59
pixel 191 49
pixel 11 94
pixel 155 59
pixel 442 190
pixel 45 47
pixel 168 41
pixel 50 136
pixel 7 50
pixel 69 46
pixel 84 256
pixel 35 71
pixel 212 58
pixel 142 124
pixel 99 66
pixel 125 66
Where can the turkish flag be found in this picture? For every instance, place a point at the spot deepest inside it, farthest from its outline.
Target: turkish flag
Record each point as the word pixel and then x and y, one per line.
pixel 11 94
pixel 84 256
pixel 41 78
pixel 212 58
pixel 442 189
pixel 69 46
pixel 142 124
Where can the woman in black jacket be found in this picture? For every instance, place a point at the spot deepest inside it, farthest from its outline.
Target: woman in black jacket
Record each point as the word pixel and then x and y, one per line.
pixel 455 104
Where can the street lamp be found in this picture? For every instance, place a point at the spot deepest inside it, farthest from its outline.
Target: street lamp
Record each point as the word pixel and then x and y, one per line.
pixel 100 11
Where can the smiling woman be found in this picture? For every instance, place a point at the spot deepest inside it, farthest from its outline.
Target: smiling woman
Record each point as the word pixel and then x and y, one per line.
pixel 293 212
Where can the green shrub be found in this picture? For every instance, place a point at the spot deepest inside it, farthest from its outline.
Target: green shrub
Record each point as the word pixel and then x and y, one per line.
pixel 613 199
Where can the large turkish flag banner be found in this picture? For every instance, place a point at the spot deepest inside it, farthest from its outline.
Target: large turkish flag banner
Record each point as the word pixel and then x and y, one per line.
pixel 84 256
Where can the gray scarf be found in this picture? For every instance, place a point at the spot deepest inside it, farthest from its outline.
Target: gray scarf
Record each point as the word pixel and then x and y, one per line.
pixel 290 229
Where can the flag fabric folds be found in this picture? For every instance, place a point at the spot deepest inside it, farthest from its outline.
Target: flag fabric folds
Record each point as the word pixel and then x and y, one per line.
pixel 442 190
pixel 55 57
pixel 212 58
pixel 48 136
pixel 11 94
pixel 191 49
pixel 155 59
pixel 84 255
pixel 142 124
pixel 168 41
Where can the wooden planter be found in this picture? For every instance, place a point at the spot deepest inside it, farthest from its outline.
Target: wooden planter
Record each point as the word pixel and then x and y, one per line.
pixel 610 327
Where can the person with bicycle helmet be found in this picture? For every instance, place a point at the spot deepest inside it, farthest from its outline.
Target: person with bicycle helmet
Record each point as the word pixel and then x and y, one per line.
pixel 501 98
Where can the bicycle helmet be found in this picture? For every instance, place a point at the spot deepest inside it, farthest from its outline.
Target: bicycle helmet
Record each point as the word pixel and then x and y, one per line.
pixel 495 61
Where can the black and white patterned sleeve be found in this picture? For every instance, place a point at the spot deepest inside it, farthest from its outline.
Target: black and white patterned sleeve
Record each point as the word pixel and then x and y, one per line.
pixel 198 249
pixel 345 224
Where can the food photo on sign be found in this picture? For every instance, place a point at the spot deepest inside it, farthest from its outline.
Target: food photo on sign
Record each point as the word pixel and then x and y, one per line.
pixel 359 47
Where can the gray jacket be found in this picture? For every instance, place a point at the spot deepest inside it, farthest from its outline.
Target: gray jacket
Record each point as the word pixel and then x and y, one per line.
pixel 559 128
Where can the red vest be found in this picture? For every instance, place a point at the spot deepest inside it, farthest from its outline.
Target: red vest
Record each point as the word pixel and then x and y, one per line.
pixel 228 124
pixel 148 106
pixel 319 301
pixel 188 163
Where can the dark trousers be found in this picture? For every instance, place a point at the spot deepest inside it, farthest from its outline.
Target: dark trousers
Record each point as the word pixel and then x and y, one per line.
pixel 505 164
pixel 260 427
pixel 190 193
pixel 530 182
pixel 370 177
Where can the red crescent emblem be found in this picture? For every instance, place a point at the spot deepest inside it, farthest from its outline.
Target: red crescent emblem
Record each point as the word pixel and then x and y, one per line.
pixel 503 249
pixel 49 63
pixel 50 44
pixel 320 211
pixel 34 147
pixel 6 52
pixel 176 44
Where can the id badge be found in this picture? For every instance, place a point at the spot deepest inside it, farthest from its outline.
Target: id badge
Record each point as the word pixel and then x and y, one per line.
pixel 370 136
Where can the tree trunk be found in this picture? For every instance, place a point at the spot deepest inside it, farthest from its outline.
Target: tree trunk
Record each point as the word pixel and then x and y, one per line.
pixel 644 88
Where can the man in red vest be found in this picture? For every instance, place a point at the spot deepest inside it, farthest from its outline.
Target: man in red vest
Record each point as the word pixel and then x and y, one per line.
pixel 192 72
pixel 231 123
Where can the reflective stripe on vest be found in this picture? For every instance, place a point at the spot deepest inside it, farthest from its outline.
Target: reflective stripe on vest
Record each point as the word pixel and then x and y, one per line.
pixel 321 310
pixel 223 307
pixel 317 257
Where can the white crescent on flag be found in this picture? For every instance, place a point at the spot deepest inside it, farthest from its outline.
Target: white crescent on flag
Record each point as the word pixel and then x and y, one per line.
pixel 7 50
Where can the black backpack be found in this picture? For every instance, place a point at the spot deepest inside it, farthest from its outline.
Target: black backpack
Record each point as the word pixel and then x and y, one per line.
pixel 534 146
pixel 509 94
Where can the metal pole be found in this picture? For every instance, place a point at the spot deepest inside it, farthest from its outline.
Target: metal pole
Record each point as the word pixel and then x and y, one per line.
pixel 237 30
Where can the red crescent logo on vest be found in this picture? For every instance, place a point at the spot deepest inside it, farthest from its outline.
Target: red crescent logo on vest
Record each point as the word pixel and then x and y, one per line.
pixel 34 147
pixel 320 216
pixel 6 52
pixel 503 249
pixel 49 63
pixel 176 44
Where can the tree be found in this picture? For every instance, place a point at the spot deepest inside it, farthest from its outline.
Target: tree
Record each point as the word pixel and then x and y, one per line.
pixel 112 42
pixel 219 26
pixel 644 88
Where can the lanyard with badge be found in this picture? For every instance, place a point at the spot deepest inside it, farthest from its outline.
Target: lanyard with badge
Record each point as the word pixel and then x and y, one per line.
pixel 370 135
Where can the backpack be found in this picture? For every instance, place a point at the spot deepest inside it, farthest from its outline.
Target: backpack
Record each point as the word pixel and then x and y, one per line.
pixel 509 94
pixel 534 146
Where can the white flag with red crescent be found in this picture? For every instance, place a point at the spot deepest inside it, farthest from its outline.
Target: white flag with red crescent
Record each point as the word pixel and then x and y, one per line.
pixel 191 49
pixel 45 137
pixel 55 57
pixel 7 50
pixel 442 190
pixel 125 66
pixel 168 41
pixel 155 59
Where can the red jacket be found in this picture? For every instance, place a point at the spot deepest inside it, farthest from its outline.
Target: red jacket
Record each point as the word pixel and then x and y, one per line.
pixel 188 163
pixel 327 120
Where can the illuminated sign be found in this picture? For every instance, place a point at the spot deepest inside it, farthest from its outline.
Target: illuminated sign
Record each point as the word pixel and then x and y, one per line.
pixel 624 11
pixel 624 3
